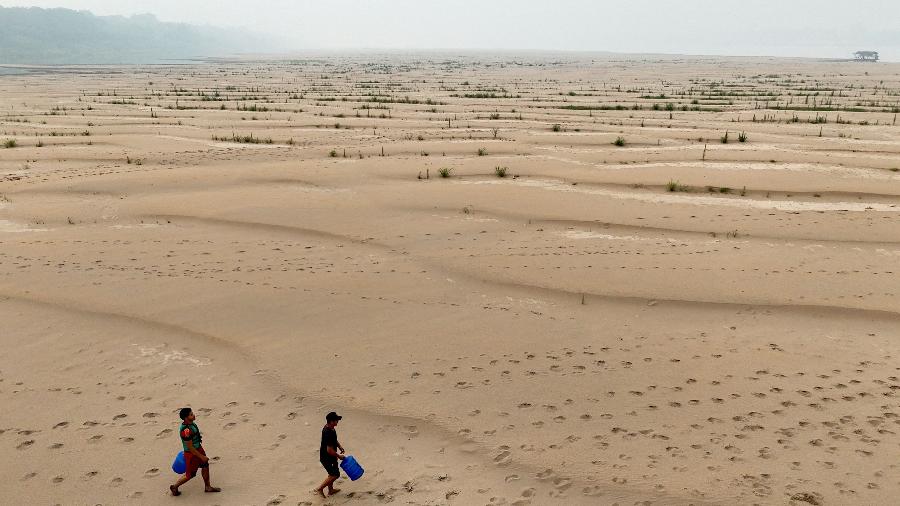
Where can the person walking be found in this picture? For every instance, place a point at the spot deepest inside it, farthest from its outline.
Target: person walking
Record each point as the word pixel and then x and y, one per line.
pixel 194 455
pixel 328 454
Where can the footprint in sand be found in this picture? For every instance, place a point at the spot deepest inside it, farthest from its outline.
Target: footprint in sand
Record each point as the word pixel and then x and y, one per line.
pixel 55 446
pixel 120 416
pixel 545 474
pixel 115 482
pixel 61 425
pixel 562 483
pixel 503 458
pixel 25 444
pixel 151 473
pixel 807 497
pixel 58 479
pixel 29 476
pixel 594 491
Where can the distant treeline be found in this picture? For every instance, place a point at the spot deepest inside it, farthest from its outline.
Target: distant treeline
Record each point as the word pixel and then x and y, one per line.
pixel 60 36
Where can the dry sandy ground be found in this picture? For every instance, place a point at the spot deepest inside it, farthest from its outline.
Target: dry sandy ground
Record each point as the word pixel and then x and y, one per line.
pixel 572 333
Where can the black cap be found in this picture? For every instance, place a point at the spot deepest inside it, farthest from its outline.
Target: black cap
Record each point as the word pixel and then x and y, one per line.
pixel 332 417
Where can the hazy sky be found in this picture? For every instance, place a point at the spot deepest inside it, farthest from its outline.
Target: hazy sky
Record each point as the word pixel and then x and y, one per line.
pixel 821 28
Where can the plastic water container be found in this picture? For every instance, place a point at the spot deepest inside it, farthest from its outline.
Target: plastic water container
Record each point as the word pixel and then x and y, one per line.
pixel 179 465
pixel 352 468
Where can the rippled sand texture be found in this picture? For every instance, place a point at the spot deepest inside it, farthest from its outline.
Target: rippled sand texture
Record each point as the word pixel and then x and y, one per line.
pixel 676 320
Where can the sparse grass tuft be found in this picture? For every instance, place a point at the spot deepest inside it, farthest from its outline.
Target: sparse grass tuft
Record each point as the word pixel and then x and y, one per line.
pixel 482 152
pixel 445 172
pixel 500 171
pixel 675 186
pixel 620 141
pixel 10 143
pixel 742 137
pixel 557 128
pixel 243 139
pixel 724 138
pixel 333 153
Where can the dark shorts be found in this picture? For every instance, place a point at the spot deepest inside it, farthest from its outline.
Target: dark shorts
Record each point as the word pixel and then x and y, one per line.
pixel 332 467
pixel 192 463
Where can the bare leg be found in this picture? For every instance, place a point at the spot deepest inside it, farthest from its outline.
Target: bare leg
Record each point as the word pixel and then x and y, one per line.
pixel 327 483
pixel 208 488
pixel 332 490
pixel 174 488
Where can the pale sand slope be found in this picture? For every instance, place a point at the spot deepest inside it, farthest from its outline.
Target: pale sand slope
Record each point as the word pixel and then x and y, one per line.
pixel 574 334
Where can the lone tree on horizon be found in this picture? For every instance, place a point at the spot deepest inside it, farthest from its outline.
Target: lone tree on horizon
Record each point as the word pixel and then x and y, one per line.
pixel 866 56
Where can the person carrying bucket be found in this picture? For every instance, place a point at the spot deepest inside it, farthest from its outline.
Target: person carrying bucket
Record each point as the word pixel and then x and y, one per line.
pixel 328 454
pixel 194 456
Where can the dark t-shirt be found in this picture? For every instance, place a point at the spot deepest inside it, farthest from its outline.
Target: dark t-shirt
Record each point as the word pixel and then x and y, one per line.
pixel 190 432
pixel 329 438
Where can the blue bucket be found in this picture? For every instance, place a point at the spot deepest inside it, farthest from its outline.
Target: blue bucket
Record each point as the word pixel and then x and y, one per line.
pixel 352 468
pixel 179 465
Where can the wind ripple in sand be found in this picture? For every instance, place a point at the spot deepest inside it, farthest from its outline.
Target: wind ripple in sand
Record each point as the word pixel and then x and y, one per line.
pixel 221 144
pixel 834 170
pixel 135 226
pixel 844 172
pixel 173 356
pixel 782 205
pixel 10 226
pixel 582 234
